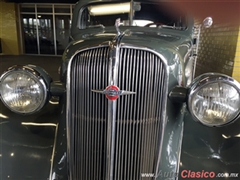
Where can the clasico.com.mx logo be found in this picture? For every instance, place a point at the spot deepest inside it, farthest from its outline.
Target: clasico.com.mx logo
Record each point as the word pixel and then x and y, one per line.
pixel 189 174
pixel 160 174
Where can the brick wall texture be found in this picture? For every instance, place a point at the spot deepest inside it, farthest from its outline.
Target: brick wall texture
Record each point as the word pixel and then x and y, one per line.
pixel 236 68
pixel 219 50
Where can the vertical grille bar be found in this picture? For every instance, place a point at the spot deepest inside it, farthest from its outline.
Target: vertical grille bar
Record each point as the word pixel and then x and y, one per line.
pixel 138 116
pixel 87 121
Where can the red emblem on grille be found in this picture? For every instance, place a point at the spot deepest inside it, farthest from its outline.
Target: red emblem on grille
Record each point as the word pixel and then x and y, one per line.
pixel 113 92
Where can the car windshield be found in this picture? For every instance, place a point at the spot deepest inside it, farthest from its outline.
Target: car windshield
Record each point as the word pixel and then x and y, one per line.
pixel 139 14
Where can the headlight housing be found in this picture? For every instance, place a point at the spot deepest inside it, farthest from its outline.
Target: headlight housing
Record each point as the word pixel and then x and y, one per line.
pixel 214 99
pixel 24 89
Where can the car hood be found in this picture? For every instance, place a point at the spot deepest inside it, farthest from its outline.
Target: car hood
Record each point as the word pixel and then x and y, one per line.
pixel 166 43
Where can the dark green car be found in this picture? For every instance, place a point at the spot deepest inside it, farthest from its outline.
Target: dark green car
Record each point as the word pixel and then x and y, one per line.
pixel 127 106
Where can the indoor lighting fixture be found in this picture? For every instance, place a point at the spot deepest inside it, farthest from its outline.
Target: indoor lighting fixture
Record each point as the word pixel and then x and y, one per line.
pixel 109 9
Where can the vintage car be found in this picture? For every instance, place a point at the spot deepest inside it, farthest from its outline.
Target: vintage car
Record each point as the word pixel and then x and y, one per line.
pixel 127 106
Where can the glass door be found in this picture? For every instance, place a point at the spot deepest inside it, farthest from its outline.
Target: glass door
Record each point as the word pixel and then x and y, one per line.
pixel 46 28
pixel 30 34
pixel 63 23
pixel 46 35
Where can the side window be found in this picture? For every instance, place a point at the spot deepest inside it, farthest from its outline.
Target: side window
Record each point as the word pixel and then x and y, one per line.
pixel 84 18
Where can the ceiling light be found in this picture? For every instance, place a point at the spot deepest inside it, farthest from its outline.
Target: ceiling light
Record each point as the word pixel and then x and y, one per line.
pixel 109 9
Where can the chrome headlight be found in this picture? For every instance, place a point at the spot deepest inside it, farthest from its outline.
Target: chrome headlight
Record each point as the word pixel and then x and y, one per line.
pixel 23 89
pixel 214 99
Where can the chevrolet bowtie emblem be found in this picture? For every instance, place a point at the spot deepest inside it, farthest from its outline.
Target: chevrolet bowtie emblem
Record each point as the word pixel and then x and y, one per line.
pixel 113 92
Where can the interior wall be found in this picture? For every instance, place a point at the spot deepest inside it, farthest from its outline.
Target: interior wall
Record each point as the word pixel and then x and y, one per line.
pixel 9 28
pixel 236 68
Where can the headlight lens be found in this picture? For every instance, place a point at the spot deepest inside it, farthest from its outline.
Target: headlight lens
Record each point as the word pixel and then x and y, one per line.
pixel 23 91
pixel 214 99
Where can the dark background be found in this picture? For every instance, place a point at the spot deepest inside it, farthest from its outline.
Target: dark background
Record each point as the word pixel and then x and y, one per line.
pixel 42 1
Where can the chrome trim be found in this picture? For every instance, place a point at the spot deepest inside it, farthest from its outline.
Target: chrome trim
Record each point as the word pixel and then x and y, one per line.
pixel 207 22
pixel 123 131
pixel 209 78
pixel 117 24
pixel 113 92
pixel 34 74
pixel 131 13
pixel 68 109
pixel 196 38
pixel 111 124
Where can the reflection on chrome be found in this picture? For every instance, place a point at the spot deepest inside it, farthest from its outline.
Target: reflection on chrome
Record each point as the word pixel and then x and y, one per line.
pixel 53 102
pixel 53 176
pixel 76 42
pixel 62 161
pixel 225 136
pixel 38 124
pixel 171 156
pixel 228 137
pixel 3 116
pixel 216 156
pixel 238 135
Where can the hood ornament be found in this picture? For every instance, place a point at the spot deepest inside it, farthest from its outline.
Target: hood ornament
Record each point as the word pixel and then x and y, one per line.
pixel 113 92
pixel 117 24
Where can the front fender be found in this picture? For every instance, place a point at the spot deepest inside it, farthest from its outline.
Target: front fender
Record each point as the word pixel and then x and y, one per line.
pixel 210 149
pixel 26 143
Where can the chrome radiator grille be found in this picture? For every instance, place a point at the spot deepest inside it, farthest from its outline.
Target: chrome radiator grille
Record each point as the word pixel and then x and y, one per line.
pixel 139 116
